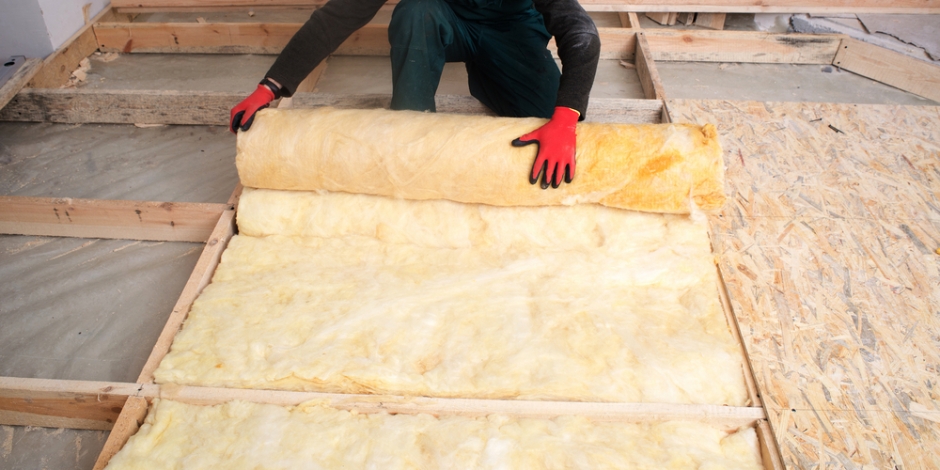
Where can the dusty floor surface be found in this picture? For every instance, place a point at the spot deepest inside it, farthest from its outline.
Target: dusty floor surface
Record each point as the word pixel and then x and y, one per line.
pixel 88 309
pixel 92 309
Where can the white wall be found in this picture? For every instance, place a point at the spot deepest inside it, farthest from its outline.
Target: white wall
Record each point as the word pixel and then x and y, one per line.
pixel 35 28
pixel 64 17
pixel 22 29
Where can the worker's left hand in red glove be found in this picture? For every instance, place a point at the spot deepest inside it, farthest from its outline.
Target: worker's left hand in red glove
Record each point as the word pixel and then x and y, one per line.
pixel 556 148
pixel 243 114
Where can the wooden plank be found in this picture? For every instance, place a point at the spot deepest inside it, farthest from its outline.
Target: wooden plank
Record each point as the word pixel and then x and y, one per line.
pixel 743 46
pixel 664 18
pixel 889 67
pixel 200 38
pixel 198 280
pixel 628 19
pixel 372 40
pixel 19 79
pixel 646 69
pixel 769 450
pixel 726 416
pixel 92 218
pixel 685 19
pixel 710 20
pixel 121 106
pixel 55 403
pixel 129 421
pixel 58 66
pixel 719 6
pixel 270 38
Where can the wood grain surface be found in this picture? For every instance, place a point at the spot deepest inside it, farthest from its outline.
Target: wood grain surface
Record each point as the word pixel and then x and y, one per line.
pixel 828 248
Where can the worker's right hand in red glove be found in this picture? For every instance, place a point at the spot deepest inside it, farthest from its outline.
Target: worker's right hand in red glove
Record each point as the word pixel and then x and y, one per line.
pixel 555 158
pixel 243 114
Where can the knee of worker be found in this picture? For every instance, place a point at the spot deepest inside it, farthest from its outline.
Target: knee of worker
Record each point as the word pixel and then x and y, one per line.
pixel 416 20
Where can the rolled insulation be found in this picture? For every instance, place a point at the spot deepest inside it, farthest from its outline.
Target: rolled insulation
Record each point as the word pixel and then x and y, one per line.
pixel 420 156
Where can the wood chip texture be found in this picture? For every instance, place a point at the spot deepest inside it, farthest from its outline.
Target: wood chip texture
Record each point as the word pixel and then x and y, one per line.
pixel 828 244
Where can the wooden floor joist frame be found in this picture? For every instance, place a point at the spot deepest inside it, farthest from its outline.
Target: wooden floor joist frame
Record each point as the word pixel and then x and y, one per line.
pixel 122 406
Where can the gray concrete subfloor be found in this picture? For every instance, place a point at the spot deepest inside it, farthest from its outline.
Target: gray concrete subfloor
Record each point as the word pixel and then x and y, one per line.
pixel 88 309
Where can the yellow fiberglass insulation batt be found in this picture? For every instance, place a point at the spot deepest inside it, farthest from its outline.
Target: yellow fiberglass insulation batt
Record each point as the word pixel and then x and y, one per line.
pixel 242 435
pixel 352 293
pixel 666 168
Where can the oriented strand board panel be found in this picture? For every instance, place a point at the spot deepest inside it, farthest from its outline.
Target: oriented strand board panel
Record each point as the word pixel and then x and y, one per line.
pixel 228 436
pixel 827 246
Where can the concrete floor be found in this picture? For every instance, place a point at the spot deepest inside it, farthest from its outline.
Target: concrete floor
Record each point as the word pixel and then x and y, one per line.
pixel 92 309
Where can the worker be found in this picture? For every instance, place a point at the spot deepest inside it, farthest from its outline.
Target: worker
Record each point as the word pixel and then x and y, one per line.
pixel 503 44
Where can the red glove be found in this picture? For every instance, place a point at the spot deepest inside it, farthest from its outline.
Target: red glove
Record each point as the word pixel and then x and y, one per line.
pixel 244 113
pixel 556 148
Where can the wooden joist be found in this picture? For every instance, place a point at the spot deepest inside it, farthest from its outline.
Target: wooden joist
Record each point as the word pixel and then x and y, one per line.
pixel 19 79
pixel 719 6
pixel 270 38
pixel 128 422
pixel 121 106
pixel 92 218
pixel 616 43
pixel 646 69
pixel 73 401
pixel 889 67
pixel 58 66
pixel 742 46
pixel 62 404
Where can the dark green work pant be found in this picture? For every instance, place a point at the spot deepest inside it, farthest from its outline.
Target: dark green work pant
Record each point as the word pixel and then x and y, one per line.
pixel 509 68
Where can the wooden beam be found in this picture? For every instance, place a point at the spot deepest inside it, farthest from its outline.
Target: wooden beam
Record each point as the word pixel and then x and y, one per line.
pixel 711 20
pixel 58 66
pixel 62 404
pixel 727 416
pixel 616 43
pixel 889 67
pixel 19 79
pixel 198 280
pixel 74 398
pixel 718 6
pixel 121 106
pixel 646 69
pixel 129 421
pixel 664 18
pixel 270 38
pixel 743 46
pixel 628 19
pixel 92 218
pixel 200 38
pixel 685 19
pixel 769 449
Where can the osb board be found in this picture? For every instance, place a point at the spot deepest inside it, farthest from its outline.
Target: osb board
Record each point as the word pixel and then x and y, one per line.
pixel 827 247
